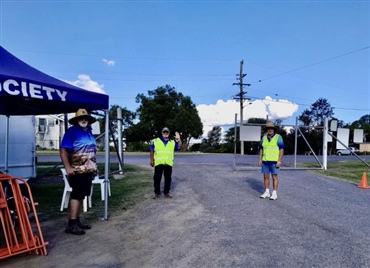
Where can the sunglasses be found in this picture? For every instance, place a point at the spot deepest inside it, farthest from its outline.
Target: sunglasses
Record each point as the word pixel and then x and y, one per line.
pixel 165 132
pixel 83 119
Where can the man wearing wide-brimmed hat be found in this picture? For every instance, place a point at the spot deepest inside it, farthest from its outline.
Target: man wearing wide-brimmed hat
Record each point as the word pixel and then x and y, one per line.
pixel 162 153
pixel 77 151
pixel 270 157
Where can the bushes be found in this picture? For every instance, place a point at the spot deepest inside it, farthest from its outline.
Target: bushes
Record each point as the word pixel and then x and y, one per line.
pixel 138 147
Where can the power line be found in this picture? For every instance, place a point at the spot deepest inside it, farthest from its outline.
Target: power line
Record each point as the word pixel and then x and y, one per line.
pixel 122 57
pixel 241 94
pixel 316 63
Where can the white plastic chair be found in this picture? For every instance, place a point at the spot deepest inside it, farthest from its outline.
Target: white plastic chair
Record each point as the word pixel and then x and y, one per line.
pixel 97 180
pixel 67 194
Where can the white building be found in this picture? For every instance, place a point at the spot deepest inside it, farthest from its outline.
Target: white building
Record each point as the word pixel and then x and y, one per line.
pixel 50 130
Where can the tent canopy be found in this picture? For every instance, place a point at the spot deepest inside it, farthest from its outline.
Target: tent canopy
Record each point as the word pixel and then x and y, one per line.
pixel 25 90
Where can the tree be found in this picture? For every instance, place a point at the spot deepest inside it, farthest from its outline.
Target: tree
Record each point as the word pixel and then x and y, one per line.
pixel 362 123
pixel 314 119
pixel 165 107
pixel 188 122
pixel 255 120
pixel 214 136
pixel 128 118
pixel 318 112
pixel 229 140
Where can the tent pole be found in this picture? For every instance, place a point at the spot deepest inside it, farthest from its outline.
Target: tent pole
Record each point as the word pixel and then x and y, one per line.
pixel 65 122
pixel 6 145
pixel 119 130
pixel 106 166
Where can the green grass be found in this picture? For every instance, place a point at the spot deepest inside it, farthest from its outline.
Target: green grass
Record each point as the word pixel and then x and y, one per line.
pixel 347 170
pixel 48 196
pixel 125 193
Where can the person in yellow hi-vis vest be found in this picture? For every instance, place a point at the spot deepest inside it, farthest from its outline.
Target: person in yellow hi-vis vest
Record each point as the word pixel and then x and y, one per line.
pixel 162 153
pixel 271 154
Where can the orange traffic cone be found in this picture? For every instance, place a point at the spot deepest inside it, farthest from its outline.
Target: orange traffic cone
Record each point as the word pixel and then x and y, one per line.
pixel 363 184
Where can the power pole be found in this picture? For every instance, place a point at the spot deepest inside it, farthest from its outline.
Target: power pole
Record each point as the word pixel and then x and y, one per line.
pixel 240 96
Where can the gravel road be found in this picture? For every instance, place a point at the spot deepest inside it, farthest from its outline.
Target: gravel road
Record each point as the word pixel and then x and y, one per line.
pixel 216 219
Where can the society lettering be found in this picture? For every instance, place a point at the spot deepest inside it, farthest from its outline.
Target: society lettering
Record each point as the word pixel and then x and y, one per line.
pixel 25 89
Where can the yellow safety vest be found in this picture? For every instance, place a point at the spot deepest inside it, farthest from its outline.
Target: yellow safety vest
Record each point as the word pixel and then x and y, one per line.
pixel 270 148
pixel 163 155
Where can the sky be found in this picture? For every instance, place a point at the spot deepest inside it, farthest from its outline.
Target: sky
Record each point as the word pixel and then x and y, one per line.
pixel 293 52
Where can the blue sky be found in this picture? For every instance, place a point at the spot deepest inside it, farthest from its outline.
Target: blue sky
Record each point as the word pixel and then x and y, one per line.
pixel 294 52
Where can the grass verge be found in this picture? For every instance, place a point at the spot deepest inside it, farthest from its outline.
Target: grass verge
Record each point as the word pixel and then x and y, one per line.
pixel 350 171
pixel 125 193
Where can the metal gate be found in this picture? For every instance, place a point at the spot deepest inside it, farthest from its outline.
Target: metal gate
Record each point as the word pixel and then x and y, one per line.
pixel 301 154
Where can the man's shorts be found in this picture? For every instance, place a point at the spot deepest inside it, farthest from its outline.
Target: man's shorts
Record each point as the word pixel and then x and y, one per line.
pixel 81 185
pixel 269 167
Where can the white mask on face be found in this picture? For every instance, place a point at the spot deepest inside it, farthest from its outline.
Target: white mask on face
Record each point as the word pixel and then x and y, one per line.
pixel 83 123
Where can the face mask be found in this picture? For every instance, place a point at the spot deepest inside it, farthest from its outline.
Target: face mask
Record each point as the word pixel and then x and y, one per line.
pixel 83 123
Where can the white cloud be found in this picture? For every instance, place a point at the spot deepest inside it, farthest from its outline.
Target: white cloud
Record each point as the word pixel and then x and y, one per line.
pixel 223 113
pixel 279 109
pixel 84 81
pixel 109 62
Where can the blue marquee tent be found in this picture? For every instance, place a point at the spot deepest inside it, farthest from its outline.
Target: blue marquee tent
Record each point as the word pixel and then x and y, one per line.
pixel 25 90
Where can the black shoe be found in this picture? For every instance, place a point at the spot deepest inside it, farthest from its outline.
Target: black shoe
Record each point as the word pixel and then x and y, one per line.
pixel 74 229
pixel 83 226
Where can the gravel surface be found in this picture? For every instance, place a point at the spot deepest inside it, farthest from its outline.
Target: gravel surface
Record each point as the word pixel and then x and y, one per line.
pixel 216 219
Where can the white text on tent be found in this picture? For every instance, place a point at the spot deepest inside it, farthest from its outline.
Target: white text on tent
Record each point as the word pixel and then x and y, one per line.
pixel 12 87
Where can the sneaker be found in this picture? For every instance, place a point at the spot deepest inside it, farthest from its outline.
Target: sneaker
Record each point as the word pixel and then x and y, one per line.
pixel 156 196
pixel 74 229
pixel 266 194
pixel 273 196
pixel 168 196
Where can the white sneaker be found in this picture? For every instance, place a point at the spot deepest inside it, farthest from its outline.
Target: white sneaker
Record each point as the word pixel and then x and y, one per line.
pixel 266 194
pixel 273 196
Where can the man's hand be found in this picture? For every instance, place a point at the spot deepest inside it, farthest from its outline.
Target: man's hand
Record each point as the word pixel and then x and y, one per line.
pixel 177 136
pixel 70 171
pixel 152 163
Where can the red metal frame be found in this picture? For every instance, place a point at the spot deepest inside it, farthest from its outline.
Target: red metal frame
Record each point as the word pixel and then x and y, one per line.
pixel 25 236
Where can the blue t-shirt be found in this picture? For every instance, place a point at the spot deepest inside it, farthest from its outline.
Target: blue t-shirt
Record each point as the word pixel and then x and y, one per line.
pixel 81 149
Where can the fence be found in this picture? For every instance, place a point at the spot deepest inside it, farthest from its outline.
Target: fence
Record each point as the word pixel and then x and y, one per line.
pixel 303 153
